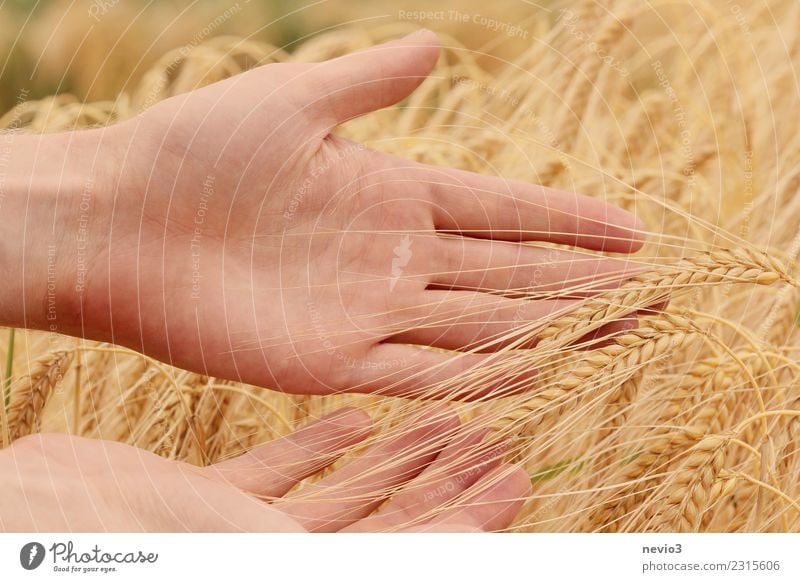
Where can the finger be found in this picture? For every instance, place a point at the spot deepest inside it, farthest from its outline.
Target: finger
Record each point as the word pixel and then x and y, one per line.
pixel 478 265
pixel 484 323
pixel 415 372
pixel 465 320
pixel 354 491
pixel 373 78
pixel 490 207
pixel 456 468
pixel 492 503
pixel 274 468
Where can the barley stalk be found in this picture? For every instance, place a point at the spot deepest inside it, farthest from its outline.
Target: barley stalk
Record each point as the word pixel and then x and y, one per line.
pixel 648 289
pixel 693 488
pixel 639 476
pixel 630 350
pixel 30 395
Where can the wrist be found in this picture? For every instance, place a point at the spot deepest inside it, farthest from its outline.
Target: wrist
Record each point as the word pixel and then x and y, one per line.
pixel 56 194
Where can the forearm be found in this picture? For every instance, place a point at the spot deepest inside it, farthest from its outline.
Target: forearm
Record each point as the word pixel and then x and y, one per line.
pixel 55 199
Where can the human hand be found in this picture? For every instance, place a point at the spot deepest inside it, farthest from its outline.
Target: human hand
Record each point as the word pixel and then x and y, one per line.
pixel 440 477
pixel 238 237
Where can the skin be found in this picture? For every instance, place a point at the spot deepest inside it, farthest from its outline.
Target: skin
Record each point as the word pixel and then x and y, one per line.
pixel 438 475
pixel 288 234
pixel 229 232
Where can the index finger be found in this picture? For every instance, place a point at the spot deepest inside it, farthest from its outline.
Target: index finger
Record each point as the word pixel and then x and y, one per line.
pixel 497 208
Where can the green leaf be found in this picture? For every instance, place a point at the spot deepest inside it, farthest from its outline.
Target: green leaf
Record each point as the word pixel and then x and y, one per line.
pixel 9 367
pixel 549 471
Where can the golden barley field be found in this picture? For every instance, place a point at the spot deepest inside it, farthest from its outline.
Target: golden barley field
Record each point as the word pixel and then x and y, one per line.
pixel 682 112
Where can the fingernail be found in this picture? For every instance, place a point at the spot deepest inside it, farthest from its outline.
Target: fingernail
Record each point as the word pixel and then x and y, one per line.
pixel 417 33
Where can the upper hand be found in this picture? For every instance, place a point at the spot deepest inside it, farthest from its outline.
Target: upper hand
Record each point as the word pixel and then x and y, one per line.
pixel 242 239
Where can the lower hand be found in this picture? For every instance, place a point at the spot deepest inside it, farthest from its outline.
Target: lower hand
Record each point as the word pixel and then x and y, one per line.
pixel 438 476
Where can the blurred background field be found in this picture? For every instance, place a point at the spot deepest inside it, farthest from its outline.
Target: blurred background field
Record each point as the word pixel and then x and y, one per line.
pixel 96 49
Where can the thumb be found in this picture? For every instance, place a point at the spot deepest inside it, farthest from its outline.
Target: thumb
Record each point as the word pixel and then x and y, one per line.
pixel 373 78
